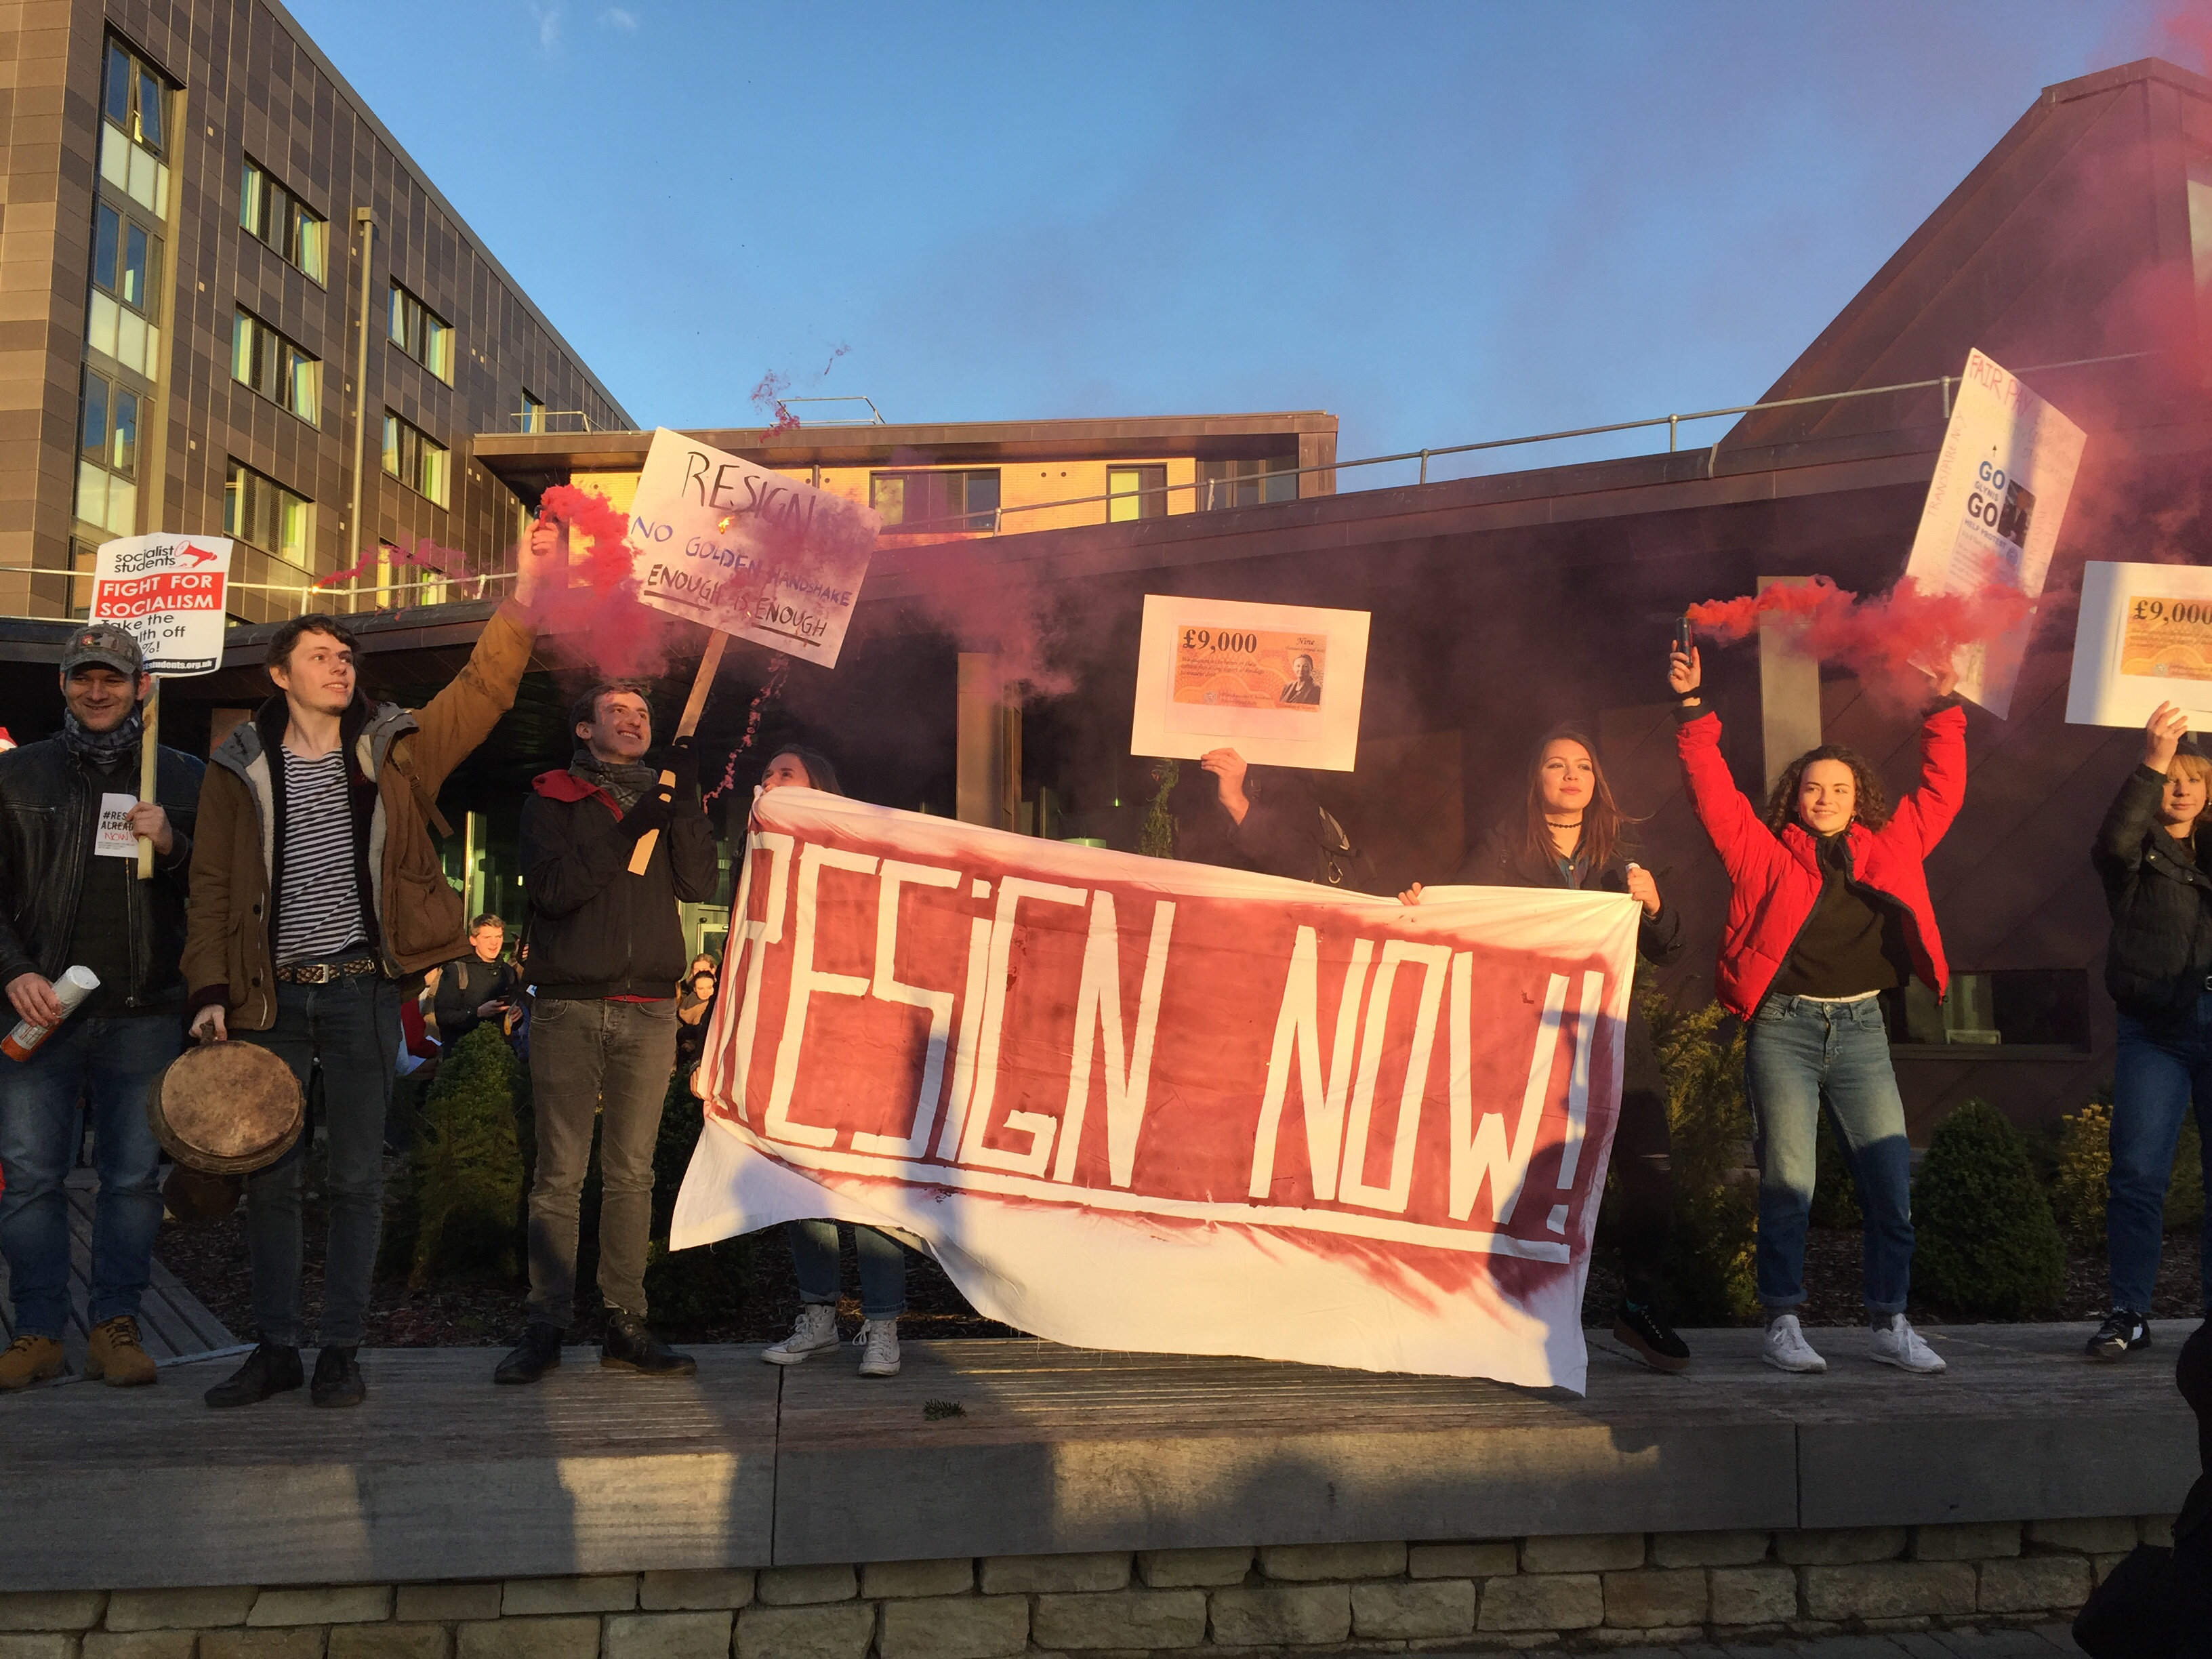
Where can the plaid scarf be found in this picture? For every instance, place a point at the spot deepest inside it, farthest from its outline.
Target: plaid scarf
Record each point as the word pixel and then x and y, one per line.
pixel 626 784
pixel 102 747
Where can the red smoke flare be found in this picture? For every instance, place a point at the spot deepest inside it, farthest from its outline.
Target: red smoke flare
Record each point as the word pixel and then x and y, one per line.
pixel 1879 639
pixel 622 637
pixel 770 690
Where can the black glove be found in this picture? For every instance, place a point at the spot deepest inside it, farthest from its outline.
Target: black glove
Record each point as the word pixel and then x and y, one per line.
pixel 655 810
pixel 683 760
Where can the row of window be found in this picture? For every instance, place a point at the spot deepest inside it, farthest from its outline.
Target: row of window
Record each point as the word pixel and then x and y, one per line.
pixel 968 501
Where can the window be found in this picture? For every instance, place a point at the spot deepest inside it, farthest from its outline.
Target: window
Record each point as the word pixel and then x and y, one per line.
pixel 107 455
pixel 126 282
pixel 531 417
pixel 294 232
pixel 411 456
pixel 2012 1007
pixel 280 371
pixel 256 509
pixel 1136 492
pixel 1246 483
pixel 935 501
pixel 422 334
pixel 134 134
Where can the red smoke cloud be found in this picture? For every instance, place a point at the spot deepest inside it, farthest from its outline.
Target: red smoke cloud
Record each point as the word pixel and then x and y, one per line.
pixel 425 555
pixel 1877 639
pixel 601 613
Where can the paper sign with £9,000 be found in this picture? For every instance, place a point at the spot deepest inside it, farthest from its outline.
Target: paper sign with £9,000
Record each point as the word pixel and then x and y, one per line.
pixel 1281 684
pixel 168 591
pixel 1159 1107
pixel 751 552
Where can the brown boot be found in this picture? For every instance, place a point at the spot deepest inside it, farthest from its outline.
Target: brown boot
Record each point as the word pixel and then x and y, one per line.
pixel 114 1352
pixel 29 1359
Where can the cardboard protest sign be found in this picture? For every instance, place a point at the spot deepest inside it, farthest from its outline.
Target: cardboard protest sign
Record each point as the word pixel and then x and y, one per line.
pixel 1133 1104
pixel 1279 683
pixel 2143 637
pixel 168 591
pixel 747 551
pixel 1993 511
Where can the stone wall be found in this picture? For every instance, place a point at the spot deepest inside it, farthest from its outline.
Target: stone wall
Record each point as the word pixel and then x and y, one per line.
pixel 1616 1589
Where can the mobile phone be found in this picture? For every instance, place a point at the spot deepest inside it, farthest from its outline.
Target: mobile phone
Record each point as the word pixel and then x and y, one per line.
pixel 1684 641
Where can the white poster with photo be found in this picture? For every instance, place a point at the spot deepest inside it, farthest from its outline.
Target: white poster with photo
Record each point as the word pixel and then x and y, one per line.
pixel 1281 684
pixel 2144 637
pixel 167 591
pixel 1993 512
pixel 747 551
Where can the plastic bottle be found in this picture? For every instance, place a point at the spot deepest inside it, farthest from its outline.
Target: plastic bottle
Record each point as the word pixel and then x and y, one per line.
pixel 72 988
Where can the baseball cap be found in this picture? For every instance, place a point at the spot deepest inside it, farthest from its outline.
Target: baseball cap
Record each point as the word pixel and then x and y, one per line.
pixel 106 645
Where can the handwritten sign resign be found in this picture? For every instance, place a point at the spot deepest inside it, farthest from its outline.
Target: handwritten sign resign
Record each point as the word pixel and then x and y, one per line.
pixel 168 591
pixel 746 551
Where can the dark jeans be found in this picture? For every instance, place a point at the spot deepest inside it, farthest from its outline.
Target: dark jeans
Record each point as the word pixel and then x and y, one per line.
pixel 611 1061
pixel 109 1064
pixel 2161 1070
pixel 1802 1055
pixel 351 1026
pixel 883 1267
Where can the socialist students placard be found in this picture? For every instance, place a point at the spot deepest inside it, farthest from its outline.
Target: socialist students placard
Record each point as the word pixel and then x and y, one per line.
pixel 168 591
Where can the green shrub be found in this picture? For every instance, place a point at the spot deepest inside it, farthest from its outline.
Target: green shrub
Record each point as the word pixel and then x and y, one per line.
pixel 1157 839
pixel 1835 1197
pixel 1709 1259
pixel 467 1175
pixel 1987 1245
pixel 694 1291
pixel 2079 1185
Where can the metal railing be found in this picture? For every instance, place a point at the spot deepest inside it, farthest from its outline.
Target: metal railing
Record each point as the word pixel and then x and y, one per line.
pixel 530 420
pixel 875 415
pixel 334 597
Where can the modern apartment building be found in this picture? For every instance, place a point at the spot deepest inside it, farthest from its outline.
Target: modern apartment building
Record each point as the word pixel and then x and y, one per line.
pixel 200 216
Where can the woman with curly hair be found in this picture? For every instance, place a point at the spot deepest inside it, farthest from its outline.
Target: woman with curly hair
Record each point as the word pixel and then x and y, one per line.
pixel 1829 908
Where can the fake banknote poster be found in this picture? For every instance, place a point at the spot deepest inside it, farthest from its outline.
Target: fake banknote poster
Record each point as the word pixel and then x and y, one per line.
pixel 1279 683
pixel 748 551
pixel 2144 637
pixel 1992 514
pixel 1138 1104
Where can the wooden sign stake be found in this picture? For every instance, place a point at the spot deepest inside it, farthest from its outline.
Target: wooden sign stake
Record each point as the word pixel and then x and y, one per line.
pixel 149 753
pixel 709 661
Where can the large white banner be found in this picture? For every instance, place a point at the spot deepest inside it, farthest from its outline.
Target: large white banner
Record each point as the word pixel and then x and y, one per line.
pixel 1159 1107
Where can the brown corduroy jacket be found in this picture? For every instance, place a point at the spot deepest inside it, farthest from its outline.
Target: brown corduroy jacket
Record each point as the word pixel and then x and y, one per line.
pixel 421 921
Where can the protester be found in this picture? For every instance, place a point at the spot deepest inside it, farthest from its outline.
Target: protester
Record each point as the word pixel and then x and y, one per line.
pixel 2158 971
pixel 814 1249
pixel 607 950
pixel 694 1006
pixel 1266 819
pixel 475 987
pixel 69 899
pixel 316 892
pixel 1829 907
pixel 1571 833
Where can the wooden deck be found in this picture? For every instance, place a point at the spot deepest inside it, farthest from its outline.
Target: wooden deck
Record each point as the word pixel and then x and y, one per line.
pixel 173 1322
pixel 443 1475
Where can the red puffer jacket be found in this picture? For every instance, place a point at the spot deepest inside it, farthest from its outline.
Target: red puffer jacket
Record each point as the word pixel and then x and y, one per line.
pixel 1777 879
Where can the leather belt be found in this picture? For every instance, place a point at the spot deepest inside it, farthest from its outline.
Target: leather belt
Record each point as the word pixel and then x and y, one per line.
pixel 323 973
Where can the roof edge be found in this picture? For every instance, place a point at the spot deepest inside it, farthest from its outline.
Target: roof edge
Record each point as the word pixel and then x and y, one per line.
pixel 2143 69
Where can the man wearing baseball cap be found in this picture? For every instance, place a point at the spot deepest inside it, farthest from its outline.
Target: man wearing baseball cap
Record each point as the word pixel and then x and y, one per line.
pixel 70 895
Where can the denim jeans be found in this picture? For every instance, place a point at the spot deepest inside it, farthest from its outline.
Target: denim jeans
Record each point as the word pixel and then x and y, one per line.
pixel 351 1027
pixel 109 1065
pixel 1802 1055
pixel 883 1267
pixel 610 1060
pixel 2161 1069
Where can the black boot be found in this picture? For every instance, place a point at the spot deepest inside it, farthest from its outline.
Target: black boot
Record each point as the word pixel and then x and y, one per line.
pixel 539 1353
pixel 630 1347
pixel 271 1368
pixel 337 1379
pixel 1652 1338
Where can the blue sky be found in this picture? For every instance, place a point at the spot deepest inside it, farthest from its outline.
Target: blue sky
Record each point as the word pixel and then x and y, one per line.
pixel 1442 223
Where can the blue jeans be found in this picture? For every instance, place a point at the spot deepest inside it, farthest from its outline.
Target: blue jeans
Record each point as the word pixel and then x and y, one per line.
pixel 109 1065
pixel 1802 1055
pixel 351 1025
pixel 883 1267
pixel 2161 1070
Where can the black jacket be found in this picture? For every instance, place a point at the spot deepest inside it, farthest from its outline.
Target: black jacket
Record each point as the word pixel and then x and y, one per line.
pixel 464 986
pixel 595 929
pixel 1500 861
pixel 2161 905
pixel 1281 835
pixel 49 812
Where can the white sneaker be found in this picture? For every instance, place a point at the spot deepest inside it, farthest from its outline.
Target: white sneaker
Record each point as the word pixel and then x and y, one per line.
pixel 815 1330
pixel 879 1337
pixel 1896 1343
pixel 1786 1348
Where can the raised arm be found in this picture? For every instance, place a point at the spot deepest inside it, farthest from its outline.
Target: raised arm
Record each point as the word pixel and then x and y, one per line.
pixel 2118 849
pixel 1731 823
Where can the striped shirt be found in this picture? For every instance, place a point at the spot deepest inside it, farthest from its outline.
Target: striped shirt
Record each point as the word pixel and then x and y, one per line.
pixel 319 900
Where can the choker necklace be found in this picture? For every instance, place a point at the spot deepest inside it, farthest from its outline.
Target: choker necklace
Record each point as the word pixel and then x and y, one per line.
pixel 1572 824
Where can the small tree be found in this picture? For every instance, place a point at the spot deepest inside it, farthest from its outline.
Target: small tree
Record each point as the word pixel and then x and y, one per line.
pixel 467 1185
pixel 1709 1259
pixel 2081 1183
pixel 701 1288
pixel 1987 1245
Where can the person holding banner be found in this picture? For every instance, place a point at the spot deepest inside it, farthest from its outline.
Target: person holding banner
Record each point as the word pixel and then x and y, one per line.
pixel 1267 819
pixel 2151 857
pixel 1829 907
pixel 318 903
pixel 1571 833
pixel 71 896
pixel 814 1251
pixel 606 952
